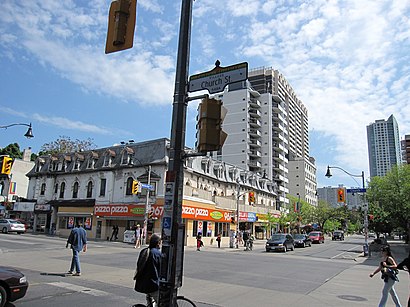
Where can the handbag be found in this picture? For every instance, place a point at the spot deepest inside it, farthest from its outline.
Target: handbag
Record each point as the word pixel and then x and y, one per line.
pixel 390 273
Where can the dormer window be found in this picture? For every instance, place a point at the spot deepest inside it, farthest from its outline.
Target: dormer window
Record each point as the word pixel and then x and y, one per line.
pixel 109 157
pixel 127 155
pixel 92 159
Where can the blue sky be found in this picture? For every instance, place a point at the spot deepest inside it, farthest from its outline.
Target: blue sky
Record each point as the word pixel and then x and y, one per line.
pixel 348 61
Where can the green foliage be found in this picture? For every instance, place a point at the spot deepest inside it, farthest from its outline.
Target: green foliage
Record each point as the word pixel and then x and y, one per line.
pixel 13 150
pixel 389 198
pixel 66 145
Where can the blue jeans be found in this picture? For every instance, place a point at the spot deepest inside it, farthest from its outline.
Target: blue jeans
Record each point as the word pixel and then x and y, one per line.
pixel 75 262
pixel 389 288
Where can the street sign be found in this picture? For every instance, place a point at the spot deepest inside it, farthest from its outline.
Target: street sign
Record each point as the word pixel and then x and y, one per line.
pixel 216 79
pixel 356 190
pixel 147 186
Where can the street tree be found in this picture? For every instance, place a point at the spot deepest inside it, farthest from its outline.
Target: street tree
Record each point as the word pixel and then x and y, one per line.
pixel 391 193
pixel 12 150
pixel 65 144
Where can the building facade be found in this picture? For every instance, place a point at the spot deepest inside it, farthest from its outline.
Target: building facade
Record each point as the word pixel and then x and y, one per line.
pixel 95 188
pixel 266 125
pixel 383 141
pixel 405 149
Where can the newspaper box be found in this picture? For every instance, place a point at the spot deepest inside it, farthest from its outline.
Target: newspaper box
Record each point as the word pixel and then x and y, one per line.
pixel 129 236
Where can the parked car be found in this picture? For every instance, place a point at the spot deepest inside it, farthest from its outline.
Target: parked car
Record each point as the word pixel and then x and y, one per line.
pixel 317 236
pixel 9 225
pixel 372 234
pixel 280 242
pixel 338 235
pixel 302 240
pixel 13 285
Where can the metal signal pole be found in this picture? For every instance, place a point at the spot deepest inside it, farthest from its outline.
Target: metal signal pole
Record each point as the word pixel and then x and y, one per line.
pixel 173 231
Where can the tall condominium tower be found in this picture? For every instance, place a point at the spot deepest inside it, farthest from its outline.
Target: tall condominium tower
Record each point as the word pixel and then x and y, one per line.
pixel 267 127
pixel 405 149
pixel 383 143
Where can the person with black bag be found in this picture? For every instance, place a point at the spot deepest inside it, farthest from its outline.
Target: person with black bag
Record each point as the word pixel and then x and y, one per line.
pixel 388 268
pixel 147 271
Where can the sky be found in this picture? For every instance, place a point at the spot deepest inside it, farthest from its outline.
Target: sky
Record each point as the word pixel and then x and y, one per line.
pixel 347 61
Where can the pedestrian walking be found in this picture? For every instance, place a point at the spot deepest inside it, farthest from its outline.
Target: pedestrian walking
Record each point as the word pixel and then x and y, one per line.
pixel 199 242
pixel 218 239
pixel 147 272
pixel 137 234
pixel 114 234
pixel 78 242
pixel 405 266
pixel 387 267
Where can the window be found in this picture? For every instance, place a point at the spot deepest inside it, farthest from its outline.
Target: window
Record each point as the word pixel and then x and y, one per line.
pixel 103 183
pixel 204 230
pixel 75 190
pixel 56 188
pixel 89 189
pixel 128 188
pixel 107 160
pixel 43 189
pixel 62 188
pixel 125 159
pixel 222 228
pixel 90 162
pixel 77 164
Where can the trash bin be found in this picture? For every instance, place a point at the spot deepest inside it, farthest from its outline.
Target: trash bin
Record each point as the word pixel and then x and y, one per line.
pixel 129 236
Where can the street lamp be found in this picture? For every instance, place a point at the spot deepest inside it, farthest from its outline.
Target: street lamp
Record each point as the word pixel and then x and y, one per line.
pixel 29 133
pixel 366 222
pixel 147 204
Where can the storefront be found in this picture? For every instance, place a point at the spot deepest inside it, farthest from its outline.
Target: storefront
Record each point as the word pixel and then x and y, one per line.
pixel 42 217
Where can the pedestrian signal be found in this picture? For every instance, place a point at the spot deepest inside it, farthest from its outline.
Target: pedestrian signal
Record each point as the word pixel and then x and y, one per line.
pixel 6 166
pixel 135 187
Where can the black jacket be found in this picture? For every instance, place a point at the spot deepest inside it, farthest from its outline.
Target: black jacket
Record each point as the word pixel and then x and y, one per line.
pixel 148 282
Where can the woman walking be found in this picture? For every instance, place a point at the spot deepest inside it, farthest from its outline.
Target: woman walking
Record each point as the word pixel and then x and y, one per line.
pixel 387 266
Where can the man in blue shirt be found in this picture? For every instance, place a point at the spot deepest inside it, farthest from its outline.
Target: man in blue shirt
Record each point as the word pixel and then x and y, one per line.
pixel 78 241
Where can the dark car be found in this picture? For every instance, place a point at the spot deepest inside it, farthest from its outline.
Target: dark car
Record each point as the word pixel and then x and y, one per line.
pixel 280 242
pixel 302 240
pixel 317 236
pixel 13 285
pixel 338 235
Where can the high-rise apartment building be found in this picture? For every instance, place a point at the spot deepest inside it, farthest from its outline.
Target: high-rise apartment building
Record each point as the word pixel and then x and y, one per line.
pixel 405 149
pixel 383 141
pixel 267 127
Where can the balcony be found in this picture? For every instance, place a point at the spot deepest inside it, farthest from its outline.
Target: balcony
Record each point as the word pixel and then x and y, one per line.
pixel 277 127
pixel 255 143
pixel 255 123
pixel 255 133
pixel 255 164
pixel 254 103
pixel 255 153
pixel 255 113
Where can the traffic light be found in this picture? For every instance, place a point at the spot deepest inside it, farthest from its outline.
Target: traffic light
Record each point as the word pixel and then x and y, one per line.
pixel 341 195
pixel 121 25
pixel 210 136
pixel 135 186
pixel 251 197
pixel 6 165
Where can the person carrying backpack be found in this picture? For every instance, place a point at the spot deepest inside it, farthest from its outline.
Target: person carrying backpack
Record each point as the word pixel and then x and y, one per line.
pixel 147 271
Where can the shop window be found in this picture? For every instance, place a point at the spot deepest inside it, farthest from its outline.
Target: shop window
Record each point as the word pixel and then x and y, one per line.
pixel 89 189
pixel 75 190
pixel 128 188
pixel 222 228
pixel 62 189
pixel 204 232
pixel 43 189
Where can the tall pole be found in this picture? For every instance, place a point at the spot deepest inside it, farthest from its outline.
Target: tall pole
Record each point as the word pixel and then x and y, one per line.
pixel 366 250
pixel 238 186
pixel 173 231
pixel 147 206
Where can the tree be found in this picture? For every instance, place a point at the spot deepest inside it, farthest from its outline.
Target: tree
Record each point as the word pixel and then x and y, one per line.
pixel 391 193
pixel 66 145
pixel 12 150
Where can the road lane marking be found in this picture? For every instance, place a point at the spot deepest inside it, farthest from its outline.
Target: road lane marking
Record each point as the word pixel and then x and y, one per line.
pixel 338 255
pixel 17 241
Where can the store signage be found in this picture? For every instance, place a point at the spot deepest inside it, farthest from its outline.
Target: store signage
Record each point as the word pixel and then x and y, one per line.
pixel 205 214
pixel 42 207
pixel 126 210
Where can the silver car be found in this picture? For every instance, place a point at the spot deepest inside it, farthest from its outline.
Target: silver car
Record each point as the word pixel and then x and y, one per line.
pixel 10 225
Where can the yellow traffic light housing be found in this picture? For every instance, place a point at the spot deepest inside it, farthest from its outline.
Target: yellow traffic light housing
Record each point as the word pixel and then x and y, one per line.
pixel 6 165
pixel 210 136
pixel 251 197
pixel 135 186
pixel 121 25
pixel 341 195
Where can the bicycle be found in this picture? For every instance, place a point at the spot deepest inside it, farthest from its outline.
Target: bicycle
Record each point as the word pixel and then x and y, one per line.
pixel 181 302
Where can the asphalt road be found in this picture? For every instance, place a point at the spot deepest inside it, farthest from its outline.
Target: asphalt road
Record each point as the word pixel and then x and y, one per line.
pixel 212 277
